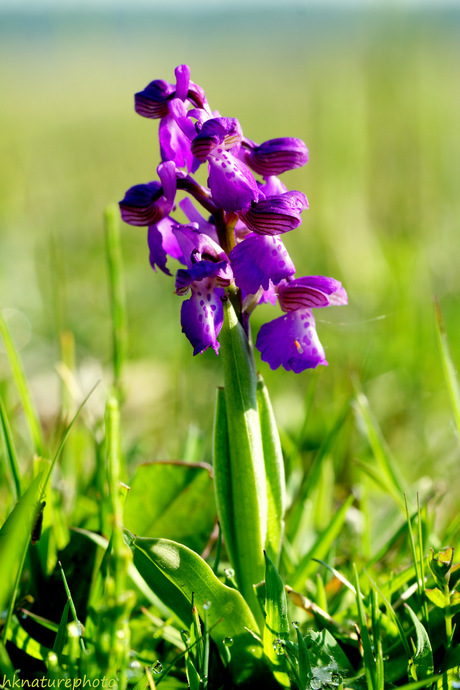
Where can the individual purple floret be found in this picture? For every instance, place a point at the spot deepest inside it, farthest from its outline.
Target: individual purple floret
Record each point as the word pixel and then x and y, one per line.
pixel 291 340
pixel 275 156
pixel 234 244
pixel 208 271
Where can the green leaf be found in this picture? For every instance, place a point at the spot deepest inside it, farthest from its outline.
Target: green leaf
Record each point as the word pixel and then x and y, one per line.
pixel 173 500
pixel 14 538
pixel 440 565
pixel 303 658
pixel 23 641
pixel 163 561
pixel 276 630
pixel 247 471
pixel 423 657
pixel 193 676
pixel 61 635
pixel 6 667
pixel 274 472
pixel 223 476
pixel 324 649
pixel 369 661
pixel 437 598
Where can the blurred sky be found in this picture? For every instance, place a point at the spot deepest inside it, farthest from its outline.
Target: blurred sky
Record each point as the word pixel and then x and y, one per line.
pixel 212 4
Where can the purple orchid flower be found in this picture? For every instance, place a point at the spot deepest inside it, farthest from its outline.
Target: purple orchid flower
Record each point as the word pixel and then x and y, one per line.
pixel 291 340
pixel 275 215
pixel 237 245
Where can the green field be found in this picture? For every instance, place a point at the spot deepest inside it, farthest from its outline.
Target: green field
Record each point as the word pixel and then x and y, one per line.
pixel 375 96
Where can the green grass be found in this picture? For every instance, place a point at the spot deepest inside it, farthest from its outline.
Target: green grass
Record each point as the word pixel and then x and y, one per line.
pixel 377 103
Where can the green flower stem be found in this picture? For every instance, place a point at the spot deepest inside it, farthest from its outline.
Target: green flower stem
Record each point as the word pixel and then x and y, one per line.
pixel 117 295
pixel 448 615
pixel 248 494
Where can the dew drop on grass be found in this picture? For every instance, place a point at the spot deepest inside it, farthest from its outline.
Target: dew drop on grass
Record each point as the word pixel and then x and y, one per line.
pixel 278 646
pixel 336 679
pixel 207 605
pixel 315 684
pixel 228 641
pixel 185 636
pixel 157 667
pixel 229 573
pixel 295 624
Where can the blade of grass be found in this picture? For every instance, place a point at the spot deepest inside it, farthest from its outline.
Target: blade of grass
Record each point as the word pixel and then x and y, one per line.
pixel 379 448
pixel 73 610
pixel 64 439
pixel 294 454
pixel 418 574
pixel 303 658
pixel 61 634
pixel 377 639
pixel 22 386
pixel 321 546
pixel 393 616
pixel 448 365
pixel 312 477
pixel 10 451
pixel 369 662
pixel 422 565
pixel 276 630
pixel 117 293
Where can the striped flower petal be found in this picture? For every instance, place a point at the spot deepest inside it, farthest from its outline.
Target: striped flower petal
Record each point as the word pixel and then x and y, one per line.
pixel 275 214
pixel 310 291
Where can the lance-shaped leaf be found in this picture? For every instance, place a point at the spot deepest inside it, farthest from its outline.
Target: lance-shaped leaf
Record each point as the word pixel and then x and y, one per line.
pixel 223 475
pixel 423 656
pixel 189 575
pixel 274 472
pixel 276 630
pixel 14 538
pixel 249 493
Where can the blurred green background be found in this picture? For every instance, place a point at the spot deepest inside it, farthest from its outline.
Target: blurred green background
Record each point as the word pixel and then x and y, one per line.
pixel 374 93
